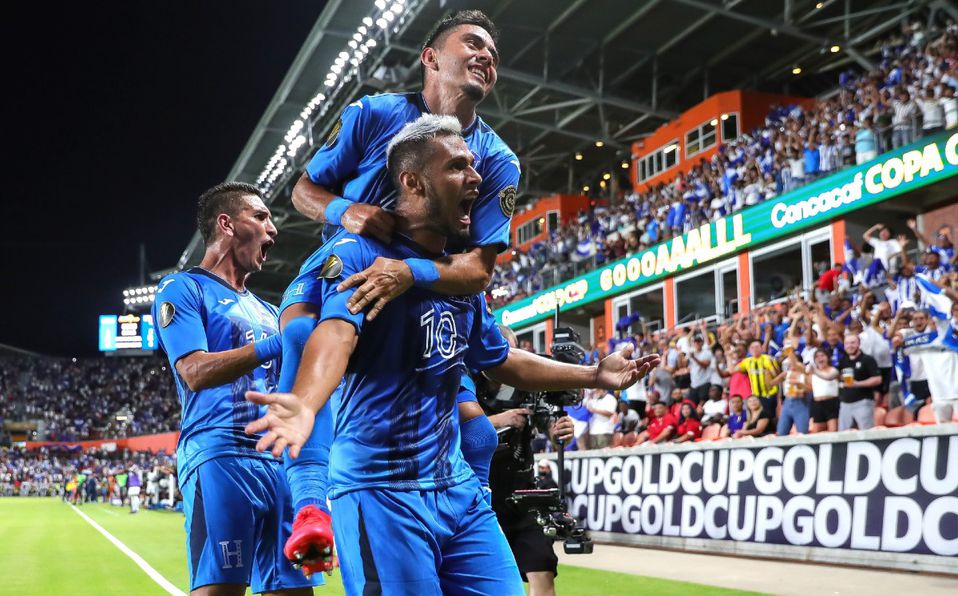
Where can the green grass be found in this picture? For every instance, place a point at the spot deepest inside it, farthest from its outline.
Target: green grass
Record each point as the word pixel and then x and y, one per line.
pixel 46 548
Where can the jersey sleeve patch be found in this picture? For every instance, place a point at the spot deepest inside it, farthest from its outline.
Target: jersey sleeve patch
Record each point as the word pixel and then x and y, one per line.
pixel 507 200
pixel 167 310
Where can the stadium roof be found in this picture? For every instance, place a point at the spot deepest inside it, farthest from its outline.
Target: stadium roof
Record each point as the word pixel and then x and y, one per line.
pixel 573 72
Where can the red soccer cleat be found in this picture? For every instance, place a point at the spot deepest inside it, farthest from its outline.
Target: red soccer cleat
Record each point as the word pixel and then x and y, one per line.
pixel 310 547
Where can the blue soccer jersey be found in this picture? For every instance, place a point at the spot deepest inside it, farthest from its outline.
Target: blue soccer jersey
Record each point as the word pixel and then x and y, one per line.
pixel 197 311
pixel 352 163
pixel 394 415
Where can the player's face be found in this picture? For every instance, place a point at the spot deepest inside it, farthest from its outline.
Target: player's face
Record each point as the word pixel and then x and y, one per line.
pixel 253 234
pixel 468 60
pixel 452 186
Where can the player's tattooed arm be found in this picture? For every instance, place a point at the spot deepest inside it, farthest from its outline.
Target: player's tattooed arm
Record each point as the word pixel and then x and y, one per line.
pixel 529 372
pixel 290 416
pixel 312 200
pixel 202 370
pixel 458 275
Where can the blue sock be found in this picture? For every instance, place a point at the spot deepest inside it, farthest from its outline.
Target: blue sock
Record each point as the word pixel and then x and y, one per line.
pixel 307 474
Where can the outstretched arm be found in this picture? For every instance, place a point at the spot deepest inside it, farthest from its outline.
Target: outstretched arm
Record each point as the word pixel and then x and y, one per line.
pixel 317 203
pixel 530 372
pixel 289 421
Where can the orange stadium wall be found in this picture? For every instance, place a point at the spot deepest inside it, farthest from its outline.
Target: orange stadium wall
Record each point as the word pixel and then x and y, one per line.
pixel 932 220
pixel 567 206
pixel 153 443
pixel 750 107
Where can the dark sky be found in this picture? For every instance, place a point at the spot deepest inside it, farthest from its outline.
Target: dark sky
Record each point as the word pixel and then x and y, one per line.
pixel 119 115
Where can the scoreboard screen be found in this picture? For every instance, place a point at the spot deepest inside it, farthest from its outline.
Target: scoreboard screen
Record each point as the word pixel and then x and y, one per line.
pixel 119 333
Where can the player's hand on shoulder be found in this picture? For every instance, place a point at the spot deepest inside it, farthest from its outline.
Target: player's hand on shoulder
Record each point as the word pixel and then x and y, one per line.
pixel 287 423
pixel 377 284
pixel 369 220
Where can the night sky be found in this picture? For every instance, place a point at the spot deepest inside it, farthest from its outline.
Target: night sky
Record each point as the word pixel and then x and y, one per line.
pixel 119 115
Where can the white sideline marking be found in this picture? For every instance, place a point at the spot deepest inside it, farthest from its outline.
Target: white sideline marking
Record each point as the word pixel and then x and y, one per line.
pixel 141 563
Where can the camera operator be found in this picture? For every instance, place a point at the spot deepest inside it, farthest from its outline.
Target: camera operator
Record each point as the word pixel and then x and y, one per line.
pixel 509 468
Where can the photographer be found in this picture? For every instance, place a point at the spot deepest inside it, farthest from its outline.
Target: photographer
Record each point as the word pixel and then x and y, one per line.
pixel 509 466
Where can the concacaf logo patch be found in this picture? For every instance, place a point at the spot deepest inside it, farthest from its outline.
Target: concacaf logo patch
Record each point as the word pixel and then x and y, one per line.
pixel 507 200
pixel 167 310
pixel 332 268
pixel 334 133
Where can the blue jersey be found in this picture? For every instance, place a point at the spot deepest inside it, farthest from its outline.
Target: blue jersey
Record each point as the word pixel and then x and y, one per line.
pixel 352 163
pixel 197 311
pixel 395 423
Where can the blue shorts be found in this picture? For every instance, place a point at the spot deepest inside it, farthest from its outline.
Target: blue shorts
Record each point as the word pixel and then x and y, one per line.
pixel 238 517
pixel 423 542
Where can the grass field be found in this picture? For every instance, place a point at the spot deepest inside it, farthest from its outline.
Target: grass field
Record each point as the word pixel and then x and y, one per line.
pixel 47 549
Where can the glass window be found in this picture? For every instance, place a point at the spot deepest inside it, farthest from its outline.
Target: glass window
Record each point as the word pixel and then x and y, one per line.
pixel 729 127
pixel 670 158
pixel 553 221
pixel 730 293
pixel 707 135
pixel 650 305
pixel 775 273
pixel 695 297
pixel 821 253
pixel 641 163
pixel 658 162
pixel 692 142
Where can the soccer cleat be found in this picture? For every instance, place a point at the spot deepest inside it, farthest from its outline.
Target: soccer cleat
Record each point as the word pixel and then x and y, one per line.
pixel 310 547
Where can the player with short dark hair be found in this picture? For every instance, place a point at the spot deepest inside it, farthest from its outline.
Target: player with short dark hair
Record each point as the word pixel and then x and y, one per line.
pixel 410 515
pixel 222 340
pixel 348 186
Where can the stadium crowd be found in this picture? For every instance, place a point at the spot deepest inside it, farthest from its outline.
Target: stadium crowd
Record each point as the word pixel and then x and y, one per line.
pixel 833 357
pixel 89 476
pixel 93 398
pixel 910 95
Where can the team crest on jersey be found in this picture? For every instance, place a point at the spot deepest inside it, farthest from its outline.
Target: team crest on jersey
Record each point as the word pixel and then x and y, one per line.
pixel 332 268
pixel 507 200
pixel 167 310
pixel 334 133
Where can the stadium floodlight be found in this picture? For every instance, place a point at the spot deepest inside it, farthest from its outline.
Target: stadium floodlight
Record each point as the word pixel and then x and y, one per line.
pixel 625 165
pixel 370 43
pixel 389 16
pixel 724 117
pixel 599 144
pixel 353 44
pixel 344 55
pixel 585 188
pixel 358 37
pixel 336 68
pixel 835 49
pixel 368 21
pixel 382 23
pixel 381 4
pixel 362 30
pixel 578 156
pixel 396 8
pixel 797 70
pixel 606 176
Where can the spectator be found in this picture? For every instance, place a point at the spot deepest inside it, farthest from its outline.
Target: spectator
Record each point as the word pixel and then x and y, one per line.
pixel 866 144
pixel 627 419
pixel 688 428
pixel 795 408
pixel 825 404
pixel 715 409
pixel 860 377
pixel 602 406
pixel 949 106
pixel 757 422
pixel 736 418
pixel 761 369
pixel 932 113
pixel 661 427
pixel 903 121
pixel 886 247
pixel 544 479
pixel 701 363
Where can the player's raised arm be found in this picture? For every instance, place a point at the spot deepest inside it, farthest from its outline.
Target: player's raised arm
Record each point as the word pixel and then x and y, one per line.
pixel 529 372
pixel 337 160
pixel 289 420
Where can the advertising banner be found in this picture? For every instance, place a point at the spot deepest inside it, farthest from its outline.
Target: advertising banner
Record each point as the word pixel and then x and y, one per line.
pixel 891 174
pixel 894 494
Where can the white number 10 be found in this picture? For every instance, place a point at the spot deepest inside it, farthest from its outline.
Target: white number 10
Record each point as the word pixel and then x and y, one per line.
pixel 442 335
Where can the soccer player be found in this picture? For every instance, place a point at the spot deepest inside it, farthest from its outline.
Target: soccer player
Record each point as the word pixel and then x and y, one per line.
pixel 346 186
pixel 410 515
pixel 222 340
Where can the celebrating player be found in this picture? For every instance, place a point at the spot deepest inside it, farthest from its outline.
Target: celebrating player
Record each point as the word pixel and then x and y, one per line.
pixel 410 515
pixel 347 187
pixel 222 340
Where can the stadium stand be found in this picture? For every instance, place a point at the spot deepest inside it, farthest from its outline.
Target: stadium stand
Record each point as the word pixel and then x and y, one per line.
pixel 910 95
pixel 88 398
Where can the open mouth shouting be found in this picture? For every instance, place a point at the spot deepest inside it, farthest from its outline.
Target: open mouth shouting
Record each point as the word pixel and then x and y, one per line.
pixel 264 248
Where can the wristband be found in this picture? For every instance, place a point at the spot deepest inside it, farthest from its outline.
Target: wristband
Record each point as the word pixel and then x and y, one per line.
pixel 268 348
pixel 424 272
pixel 335 210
